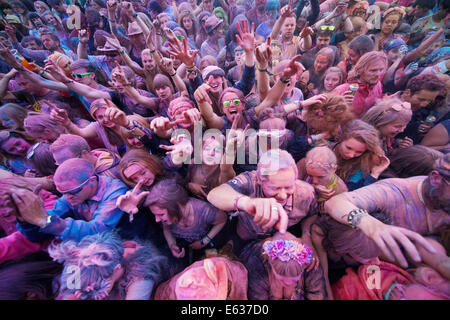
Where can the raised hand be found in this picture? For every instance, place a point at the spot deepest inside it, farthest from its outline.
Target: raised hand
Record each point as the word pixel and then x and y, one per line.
pixel 201 94
pixel 9 58
pixel 111 5
pixel 128 202
pixel 382 164
pixel 57 114
pixel 55 72
pixel 306 31
pixel 119 76
pixel 182 53
pixel 264 54
pixel 287 10
pixel 192 115
pixel 236 136
pixel 292 68
pixel 167 66
pixel 116 115
pixel 83 36
pixel 181 149
pixel 246 38
pixel 169 34
pixel 29 207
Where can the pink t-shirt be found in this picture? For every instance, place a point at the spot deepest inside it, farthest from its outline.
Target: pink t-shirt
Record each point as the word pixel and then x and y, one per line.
pixel 364 98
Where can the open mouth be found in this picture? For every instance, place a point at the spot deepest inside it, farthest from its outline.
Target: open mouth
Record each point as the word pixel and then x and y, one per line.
pixel 214 86
pixel 232 111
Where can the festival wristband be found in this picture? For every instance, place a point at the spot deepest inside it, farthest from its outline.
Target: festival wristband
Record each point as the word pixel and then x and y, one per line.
pixel 355 216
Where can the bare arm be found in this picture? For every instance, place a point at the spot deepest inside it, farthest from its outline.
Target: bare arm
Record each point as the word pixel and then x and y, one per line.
pixel 417 53
pixel 4 93
pixel 437 138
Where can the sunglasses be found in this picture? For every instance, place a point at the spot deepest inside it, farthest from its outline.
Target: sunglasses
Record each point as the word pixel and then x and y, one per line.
pixel 331 28
pixel 77 189
pixel 31 152
pixel 227 103
pixel 180 37
pixel 80 75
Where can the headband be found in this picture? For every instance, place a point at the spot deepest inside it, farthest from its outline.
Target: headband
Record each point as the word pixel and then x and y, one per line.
pixel 287 250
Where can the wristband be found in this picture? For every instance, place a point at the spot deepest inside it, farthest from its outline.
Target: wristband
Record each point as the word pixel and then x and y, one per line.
pixel 354 217
pixel 173 75
pixel 67 82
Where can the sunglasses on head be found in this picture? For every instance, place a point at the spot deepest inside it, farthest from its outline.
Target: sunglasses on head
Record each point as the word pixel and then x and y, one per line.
pixel 77 189
pixel 31 152
pixel 235 102
pixel 331 28
pixel 80 75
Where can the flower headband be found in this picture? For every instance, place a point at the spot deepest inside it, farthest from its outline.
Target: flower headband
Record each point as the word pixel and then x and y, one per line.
pixel 319 164
pixel 287 250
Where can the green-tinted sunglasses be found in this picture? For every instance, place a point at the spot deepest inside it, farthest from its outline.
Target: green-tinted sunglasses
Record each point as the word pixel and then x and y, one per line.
pixel 227 103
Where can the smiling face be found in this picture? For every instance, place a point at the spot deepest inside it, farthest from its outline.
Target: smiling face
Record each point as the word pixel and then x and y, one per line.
pixel 373 72
pixel 137 172
pixel 331 81
pixel 232 110
pixel 351 148
pixel 280 186
pixel 216 83
pixel 390 130
pixel 148 62
pixel 16 146
pixel 178 114
pixel 99 115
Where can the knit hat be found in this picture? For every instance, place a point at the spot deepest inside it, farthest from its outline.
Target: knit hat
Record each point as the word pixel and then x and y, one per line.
pixel 212 71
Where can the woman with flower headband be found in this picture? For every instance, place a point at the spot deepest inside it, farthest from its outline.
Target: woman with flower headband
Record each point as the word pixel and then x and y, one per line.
pixel 390 117
pixel 278 270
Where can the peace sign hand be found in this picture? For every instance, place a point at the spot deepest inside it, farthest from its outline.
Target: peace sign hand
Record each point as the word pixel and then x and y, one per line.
pixel 129 201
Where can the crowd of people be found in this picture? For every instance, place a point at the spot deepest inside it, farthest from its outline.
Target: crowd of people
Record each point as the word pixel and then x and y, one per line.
pixel 225 149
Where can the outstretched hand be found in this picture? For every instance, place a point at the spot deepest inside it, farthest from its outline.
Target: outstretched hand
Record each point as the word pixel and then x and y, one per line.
pixel 182 52
pixel 263 54
pixel 181 149
pixel 293 67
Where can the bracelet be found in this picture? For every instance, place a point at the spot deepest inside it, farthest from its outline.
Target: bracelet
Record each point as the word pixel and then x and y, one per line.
pixel 285 80
pixel 354 217
pixel 266 71
pixel 236 202
pixel 205 240
pixel 173 75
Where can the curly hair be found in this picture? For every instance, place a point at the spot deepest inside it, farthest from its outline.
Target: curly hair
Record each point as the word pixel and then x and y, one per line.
pixel 328 116
pixel 364 133
pixel 426 81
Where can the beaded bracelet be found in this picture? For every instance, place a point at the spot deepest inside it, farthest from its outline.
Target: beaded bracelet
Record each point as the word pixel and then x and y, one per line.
pixel 354 217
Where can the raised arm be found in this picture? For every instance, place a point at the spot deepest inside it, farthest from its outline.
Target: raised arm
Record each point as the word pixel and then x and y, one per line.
pixel 285 12
pixel 212 120
pixel 263 55
pixel 133 65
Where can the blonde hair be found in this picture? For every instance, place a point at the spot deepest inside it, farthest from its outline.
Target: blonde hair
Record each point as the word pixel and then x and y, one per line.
pixel 364 63
pixel 386 111
pixel 321 157
pixel 364 133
